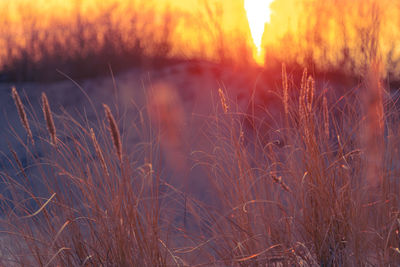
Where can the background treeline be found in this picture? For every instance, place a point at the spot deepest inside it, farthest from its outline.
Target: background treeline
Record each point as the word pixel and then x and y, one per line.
pixel 336 35
pixel 84 38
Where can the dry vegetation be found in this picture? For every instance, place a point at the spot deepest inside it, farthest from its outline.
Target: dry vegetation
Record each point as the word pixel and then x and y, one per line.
pixel 310 179
pixel 320 189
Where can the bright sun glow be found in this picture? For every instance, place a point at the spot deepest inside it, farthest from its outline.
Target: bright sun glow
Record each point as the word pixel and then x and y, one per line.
pixel 258 14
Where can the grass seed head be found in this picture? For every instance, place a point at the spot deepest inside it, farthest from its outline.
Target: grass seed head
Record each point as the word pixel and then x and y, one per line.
pixel 21 113
pixel 310 93
pixel 222 97
pixel 49 119
pixel 114 132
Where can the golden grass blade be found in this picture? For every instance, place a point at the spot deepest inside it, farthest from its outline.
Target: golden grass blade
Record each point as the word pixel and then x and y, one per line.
pixel 55 255
pixel 59 232
pixel 257 254
pixel 40 209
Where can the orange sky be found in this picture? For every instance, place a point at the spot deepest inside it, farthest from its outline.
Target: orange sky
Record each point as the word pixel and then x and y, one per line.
pixel 232 21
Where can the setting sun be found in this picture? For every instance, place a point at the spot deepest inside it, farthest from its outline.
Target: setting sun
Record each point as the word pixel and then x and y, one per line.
pixel 258 14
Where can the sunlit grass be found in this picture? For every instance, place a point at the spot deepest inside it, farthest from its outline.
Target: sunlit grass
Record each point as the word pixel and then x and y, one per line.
pixel 316 185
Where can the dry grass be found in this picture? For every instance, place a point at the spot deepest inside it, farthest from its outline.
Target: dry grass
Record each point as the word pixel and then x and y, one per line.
pixel 21 113
pixel 99 152
pixel 114 132
pixel 49 119
pixel 311 201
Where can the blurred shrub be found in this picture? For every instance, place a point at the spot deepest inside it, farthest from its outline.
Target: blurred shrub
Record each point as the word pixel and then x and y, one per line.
pixel 80 39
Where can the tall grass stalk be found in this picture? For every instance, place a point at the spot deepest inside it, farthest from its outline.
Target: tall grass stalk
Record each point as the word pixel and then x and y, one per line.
pixel 114 132
pixel 49 119
pixel 21 113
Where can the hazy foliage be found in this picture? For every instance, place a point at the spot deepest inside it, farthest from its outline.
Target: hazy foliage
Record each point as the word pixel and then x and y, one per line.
pixel 339 36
